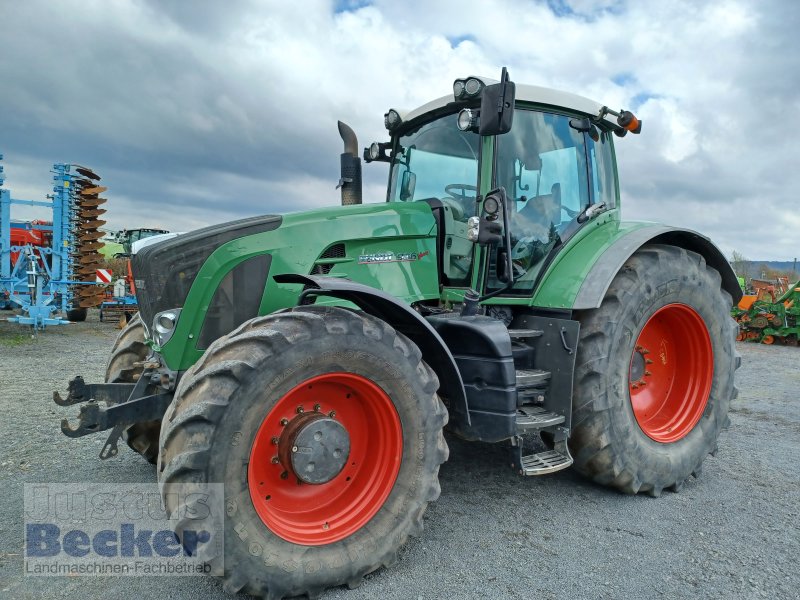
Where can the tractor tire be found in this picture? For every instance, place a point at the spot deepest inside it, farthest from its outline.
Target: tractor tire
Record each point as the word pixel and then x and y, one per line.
pixel 255 393
pixel 654 374
pixel 129 348
pixel 77 315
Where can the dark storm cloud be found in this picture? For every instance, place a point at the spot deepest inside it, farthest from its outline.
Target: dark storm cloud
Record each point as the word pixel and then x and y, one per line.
pixel 132 91
pixel 197 112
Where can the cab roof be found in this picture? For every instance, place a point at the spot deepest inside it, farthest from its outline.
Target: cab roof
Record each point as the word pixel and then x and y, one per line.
pixel 524 93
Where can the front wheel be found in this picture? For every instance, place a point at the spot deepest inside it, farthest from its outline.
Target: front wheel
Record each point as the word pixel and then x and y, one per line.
pixel 335 418
pixel 124 366
pixel 654 374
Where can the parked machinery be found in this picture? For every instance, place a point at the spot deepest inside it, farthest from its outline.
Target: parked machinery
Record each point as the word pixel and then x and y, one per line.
pixel 50 272
pixel 768 320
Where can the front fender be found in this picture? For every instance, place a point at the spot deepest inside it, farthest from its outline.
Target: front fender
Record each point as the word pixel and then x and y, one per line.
pixel 400 316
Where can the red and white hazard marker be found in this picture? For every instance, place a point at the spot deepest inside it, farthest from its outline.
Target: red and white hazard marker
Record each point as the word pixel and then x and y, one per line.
pixel 103 276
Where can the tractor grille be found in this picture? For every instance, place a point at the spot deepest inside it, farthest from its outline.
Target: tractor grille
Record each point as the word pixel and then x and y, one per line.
pixel 335 251
pixel 331 252
pixel 164 272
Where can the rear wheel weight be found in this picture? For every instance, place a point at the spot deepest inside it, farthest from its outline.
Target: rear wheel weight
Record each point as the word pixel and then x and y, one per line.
pixel 221 428
pixel 666 306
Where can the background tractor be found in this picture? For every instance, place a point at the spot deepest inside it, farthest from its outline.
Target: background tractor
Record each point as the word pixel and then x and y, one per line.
pixel 311 361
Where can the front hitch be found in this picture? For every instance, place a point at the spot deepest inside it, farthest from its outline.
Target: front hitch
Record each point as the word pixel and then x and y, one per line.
pixel 114 406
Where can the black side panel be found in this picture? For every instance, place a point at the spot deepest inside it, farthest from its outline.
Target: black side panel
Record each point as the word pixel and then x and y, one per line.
pixel 236 300
pixel 400 316
pixel 555 352
pixel 164 272
pixel 482 349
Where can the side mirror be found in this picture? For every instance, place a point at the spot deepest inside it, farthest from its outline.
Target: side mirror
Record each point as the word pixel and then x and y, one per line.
pixel 585 125
pixel 497 106
pixel 407 185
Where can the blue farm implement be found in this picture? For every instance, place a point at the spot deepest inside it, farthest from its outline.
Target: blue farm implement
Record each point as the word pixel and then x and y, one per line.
pixel 47 268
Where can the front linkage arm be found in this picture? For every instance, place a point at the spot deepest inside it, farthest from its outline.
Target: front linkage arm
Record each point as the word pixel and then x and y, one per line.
pixel 125 404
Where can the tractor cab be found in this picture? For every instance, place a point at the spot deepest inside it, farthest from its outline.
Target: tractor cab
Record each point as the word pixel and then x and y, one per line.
pixel 551 164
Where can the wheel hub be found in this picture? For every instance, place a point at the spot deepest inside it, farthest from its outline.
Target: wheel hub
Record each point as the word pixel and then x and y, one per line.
pixel 315 447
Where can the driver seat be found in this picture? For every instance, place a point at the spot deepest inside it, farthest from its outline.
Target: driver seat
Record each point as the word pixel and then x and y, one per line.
pixel 540 212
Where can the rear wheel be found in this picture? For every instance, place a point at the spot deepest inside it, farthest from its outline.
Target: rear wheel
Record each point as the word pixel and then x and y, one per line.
pixel 336 419
pixel 654 374
pixel 129 349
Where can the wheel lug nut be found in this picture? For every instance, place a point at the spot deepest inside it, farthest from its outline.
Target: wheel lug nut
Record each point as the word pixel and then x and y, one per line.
pixel 332 414
pixel 294 448
pixel 317 408
pixel 285 474
pixel 648 361
pixel 274 441
pixel 300 410
pixel 274 460
pixel 284 422
pixel 647 373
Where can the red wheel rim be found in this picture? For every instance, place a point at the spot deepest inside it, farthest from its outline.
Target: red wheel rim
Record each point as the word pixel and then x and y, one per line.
pixel 317 514
pixel 671 371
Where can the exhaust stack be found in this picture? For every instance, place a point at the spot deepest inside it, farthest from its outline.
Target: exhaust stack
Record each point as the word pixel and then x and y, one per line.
pixel 350 178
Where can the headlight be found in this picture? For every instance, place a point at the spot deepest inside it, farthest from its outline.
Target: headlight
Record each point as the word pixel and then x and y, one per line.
pixel 164 325
pixel 491 205
pixel 392 119
pixel 473 228
pixel 374 151
pixel 467 119
pixel 458 89
pixel 473 86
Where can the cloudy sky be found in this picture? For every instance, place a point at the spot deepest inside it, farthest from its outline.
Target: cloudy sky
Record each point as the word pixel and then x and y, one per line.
pixel 200 112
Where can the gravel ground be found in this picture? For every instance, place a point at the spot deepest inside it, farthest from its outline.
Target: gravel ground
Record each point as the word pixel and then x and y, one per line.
pixel 734 533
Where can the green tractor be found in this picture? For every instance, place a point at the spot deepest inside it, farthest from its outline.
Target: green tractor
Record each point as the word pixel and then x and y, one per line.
pixel 311 362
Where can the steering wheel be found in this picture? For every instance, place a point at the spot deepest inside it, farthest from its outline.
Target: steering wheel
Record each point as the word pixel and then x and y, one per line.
pixel 459 191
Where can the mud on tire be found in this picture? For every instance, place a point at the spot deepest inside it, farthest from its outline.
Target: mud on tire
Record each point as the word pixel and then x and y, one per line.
pixel 216 415
pixel 608 442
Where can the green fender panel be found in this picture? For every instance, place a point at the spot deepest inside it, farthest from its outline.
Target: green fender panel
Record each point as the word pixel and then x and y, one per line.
pixel 579 278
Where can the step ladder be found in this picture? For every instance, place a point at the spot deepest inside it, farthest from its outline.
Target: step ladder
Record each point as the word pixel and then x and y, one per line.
pixel 532 417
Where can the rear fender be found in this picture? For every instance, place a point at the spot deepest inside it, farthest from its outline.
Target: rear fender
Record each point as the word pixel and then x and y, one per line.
pixel 596 284
pixel 404 319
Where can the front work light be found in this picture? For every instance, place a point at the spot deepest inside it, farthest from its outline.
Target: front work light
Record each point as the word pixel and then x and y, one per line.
pixel 465 89
pixel 392 119
pixel 491 205
pixel 467 119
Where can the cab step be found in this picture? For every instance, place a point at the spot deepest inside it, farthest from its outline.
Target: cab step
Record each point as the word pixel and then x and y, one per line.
pixel 546 462
pixel 536 417
pixel 528 378
pixel 520 334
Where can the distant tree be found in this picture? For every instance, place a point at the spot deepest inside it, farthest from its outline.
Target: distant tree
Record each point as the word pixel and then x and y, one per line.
pixel 739 263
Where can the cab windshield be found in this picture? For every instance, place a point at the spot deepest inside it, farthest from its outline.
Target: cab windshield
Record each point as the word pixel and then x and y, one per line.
pixel 437 163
